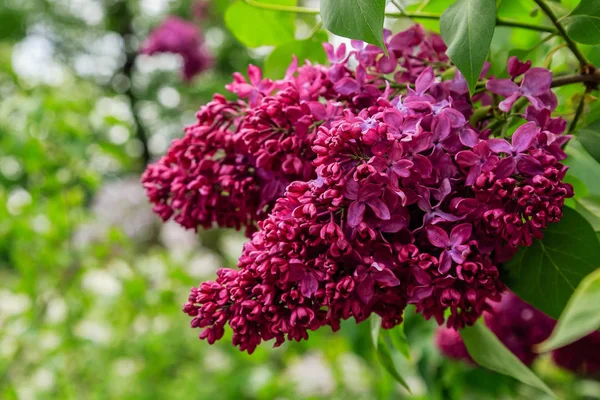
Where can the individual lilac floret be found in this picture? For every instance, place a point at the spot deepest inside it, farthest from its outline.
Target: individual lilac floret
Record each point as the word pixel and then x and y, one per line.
pixel 179 36
pixel 535 86
pixel 454 246
pixel 518 159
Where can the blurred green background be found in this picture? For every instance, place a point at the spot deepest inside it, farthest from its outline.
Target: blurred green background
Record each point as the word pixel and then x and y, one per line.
pixel 93 283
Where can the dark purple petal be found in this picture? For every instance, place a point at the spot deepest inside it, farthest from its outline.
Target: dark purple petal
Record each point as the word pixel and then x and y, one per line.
pixel 457 119
pixel 503 87
pixel 508 103
pixel 393 118
pixel 506 167
pixel 536 81
pixel 473 174
pixel 356 212
pixel 424 81
pixel 499 146
pixel 394 224
pixel 351 190
pixel 369 191
pixel 467 158
pixel 468 137
pixel 386 278
pixel 516 67
pixel 529 165
pixel 441 126
pixel 380 209
pixel 460 234
pixel 366 289
pixel 437 236
pixel 523 137
pixel 308 285
pixel 445 263
pixel 402 168
pixel 347 86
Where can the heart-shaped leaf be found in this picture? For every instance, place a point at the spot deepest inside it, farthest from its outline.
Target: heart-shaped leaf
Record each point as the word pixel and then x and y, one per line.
pixel 583 24
pixel 355 19
pixel 546 274
pixel 580 317
pixel 489 352
pixel 467 28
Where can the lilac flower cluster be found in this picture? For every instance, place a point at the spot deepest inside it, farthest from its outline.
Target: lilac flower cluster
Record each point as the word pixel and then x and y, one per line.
pixel 363 190
pixel 520 327
pixel 178 36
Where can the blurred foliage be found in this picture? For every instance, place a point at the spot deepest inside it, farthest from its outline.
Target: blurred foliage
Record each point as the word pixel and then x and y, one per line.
pixel 93 283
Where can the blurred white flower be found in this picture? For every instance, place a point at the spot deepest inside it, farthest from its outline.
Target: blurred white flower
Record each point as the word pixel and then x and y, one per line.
pixel 49 340
pixel 160 324
pixel 95 331
pixel 179 241
pixel 13 303
pixel 216 360
pixel 101 283
pixel 43 379
pixel 120 204
pixel 355 374
pixel 203 265
pixel 125 367
pixel 141 324
pixel 56 311
pixel 233 242
pixel 311 376
pixel 259 377
pixel 123 203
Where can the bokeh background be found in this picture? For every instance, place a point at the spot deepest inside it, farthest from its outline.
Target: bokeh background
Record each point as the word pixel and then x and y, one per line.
pixel 92 282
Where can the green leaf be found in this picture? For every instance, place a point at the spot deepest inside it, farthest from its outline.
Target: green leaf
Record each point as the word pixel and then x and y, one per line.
pixel 586 205
pixel 467 28
pixel 583 24
pixel 399 340
pixel 547 273
pixel 580 317
pixel 309 49
pixel 255 27
pixel 383 351
pixel 375 328
pixel 487 351
pixel 355 19
pixel 589 208
pixel 590 138
pixel 583 166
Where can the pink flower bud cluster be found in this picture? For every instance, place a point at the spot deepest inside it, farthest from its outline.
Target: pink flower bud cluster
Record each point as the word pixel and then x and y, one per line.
pixel 369 189
pixel 520 327
pixel 178 36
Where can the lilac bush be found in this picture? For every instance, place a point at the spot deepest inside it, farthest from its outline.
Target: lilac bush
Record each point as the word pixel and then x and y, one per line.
pixel 362 190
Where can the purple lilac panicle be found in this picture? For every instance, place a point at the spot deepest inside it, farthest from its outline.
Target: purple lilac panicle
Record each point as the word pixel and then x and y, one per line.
pixel 178 36
pixel 361 193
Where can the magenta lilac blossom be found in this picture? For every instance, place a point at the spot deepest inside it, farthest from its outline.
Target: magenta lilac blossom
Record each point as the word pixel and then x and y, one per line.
pixel 362 190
